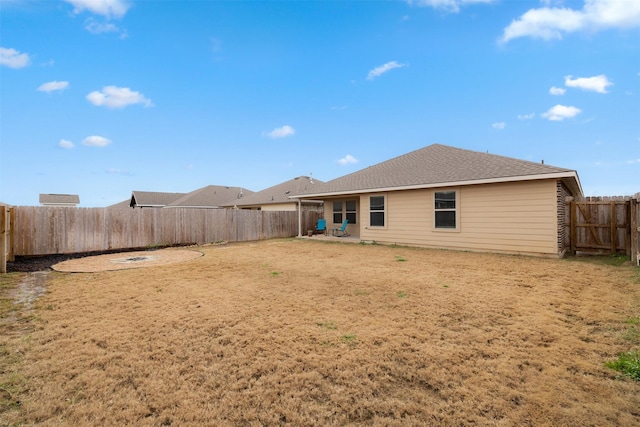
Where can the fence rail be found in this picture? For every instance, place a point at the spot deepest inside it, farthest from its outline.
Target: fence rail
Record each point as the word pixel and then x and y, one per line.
pixel 45 230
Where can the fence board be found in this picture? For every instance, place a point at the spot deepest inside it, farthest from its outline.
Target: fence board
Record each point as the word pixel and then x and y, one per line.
pixel 45 230
pixel 4 238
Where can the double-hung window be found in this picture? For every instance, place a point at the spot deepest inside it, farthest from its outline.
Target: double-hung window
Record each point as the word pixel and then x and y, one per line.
pixel 376 211
pixel 350 208
pixel 445 209
pixel 337 212
pixel 345 209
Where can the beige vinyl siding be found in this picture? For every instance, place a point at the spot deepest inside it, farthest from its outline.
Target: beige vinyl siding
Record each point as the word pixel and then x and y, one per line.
pixel 507 217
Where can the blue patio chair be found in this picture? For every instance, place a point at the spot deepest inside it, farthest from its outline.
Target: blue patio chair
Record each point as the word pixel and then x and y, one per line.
pixel 321 227
pixel 342 231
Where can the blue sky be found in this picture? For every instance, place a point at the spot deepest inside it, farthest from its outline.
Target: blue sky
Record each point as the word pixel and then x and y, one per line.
pixel 103 97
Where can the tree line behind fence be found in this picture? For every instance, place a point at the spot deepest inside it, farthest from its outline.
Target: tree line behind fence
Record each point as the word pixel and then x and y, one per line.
pixel 45 230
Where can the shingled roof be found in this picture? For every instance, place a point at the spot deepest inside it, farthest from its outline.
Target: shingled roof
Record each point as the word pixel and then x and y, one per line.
pixel 439 166
pixel 59 199
pixel 211 196
pixel 152 199
pixel 279 193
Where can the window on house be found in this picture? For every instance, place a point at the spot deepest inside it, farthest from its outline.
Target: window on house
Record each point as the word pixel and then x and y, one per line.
pixel 376 211
pixel 351 211
pixel 445 209
pixel 337 212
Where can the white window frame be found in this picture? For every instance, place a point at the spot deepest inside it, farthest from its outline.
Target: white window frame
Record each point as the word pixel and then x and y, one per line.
pixel 456 209
pixel 384 211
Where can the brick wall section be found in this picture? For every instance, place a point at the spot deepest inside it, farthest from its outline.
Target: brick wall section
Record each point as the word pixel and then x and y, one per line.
pixel 561 194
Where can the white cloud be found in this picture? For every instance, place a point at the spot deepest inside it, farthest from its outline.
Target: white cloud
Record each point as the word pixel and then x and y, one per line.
pixel 499 125
pixel 552 22
pixel 557 91
pixel 446 5
pixel 117 97
pixel 54 85
pixel 561 112
pixel 526 116
pixel 378 71
pixel 65 144
pixel 13 59
pixel 96 141
pixel 95 27
pixel 596 83
pixel 106 8
pixel 281 132
pixel 633 161
pixel 348 159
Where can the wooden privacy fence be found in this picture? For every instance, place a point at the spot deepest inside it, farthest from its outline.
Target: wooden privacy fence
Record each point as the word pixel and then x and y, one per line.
pixel 7 216
pixel 45 230
pixel 603 225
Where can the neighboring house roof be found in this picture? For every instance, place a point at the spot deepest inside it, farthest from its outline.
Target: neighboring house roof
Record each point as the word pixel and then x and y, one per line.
pixel 59 199
pixel 121 205
pixel 211 196
pixel 441 166
pixel 152 199
pixel 279 193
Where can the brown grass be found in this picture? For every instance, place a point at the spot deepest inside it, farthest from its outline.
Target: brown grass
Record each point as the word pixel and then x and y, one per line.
pixel 310 333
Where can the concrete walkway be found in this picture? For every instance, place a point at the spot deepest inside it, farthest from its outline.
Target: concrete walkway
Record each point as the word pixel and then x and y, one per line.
pixel 330 238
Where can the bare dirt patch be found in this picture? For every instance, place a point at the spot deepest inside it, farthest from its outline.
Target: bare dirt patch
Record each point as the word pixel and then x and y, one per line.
pixel 126 260
pixel 313 333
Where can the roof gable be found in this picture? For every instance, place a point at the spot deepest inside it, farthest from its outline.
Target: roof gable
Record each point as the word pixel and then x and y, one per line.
pixel 440 165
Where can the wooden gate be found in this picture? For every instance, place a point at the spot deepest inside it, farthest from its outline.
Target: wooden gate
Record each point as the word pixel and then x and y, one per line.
pixel 603 225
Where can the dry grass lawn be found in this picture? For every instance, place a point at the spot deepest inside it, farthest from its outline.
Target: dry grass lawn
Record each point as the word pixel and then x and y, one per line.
pixel 302 332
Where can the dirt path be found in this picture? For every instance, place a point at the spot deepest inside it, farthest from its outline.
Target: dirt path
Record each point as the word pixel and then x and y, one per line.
pixel 310 333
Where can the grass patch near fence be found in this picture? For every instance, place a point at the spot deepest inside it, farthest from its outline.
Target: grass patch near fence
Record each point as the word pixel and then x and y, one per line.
pixel 343 334
pixel 12 345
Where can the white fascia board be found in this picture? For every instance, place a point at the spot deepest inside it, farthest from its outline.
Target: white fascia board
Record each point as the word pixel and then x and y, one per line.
pixel 192 207
pixel 556 175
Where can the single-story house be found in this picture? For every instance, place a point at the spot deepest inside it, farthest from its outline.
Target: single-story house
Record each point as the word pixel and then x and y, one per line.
pixel 276 198
pixel 446 197
pixel 70 200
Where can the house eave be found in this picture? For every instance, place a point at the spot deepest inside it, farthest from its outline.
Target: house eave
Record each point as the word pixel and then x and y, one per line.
pixel 192 207
pixel 558 175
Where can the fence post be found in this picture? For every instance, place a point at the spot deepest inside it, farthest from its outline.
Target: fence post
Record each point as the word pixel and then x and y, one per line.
pixel 633 207
pixel 12 233
pixel 3 239
pixel 572 225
